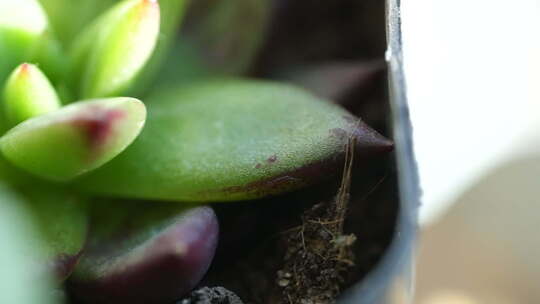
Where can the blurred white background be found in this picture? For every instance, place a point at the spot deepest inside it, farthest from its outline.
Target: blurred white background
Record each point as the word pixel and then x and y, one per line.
pixel 473 76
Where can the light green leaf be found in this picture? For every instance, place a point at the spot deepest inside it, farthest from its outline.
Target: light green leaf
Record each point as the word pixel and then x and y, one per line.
pixel 232 140
pixel 75 139
pixel 110 54
pixel 28 93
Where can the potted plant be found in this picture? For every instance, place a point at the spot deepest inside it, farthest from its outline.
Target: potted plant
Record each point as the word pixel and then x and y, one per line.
pixel 145 167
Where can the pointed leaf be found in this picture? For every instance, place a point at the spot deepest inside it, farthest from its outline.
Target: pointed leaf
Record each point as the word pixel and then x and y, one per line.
pixel 112 51
pixel 232 140
pixel 75 139
pixel 144 252
pixel 28 93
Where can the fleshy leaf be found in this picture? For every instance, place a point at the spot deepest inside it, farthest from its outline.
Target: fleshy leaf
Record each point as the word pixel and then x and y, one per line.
pixel 145 252
pixel 21 279
pixel 28 93
pixel 109 55
pixel 75 139
pixel 232 140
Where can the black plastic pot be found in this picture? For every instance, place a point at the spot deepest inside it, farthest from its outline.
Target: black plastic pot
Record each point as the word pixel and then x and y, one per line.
pixel 392 280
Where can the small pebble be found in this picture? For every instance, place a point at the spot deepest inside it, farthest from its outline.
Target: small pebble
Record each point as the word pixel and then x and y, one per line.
pixel 212 295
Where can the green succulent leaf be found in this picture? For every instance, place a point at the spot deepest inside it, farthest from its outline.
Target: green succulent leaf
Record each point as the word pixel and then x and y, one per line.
pixel 110 54
pixel 232 140
pixel 75 139
pixel 28 93
pixel 21 279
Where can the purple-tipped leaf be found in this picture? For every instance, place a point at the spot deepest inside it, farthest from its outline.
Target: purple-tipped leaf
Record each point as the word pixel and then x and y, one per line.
pixel 145 253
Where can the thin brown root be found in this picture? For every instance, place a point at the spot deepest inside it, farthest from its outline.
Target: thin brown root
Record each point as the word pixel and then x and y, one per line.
pixel 319 254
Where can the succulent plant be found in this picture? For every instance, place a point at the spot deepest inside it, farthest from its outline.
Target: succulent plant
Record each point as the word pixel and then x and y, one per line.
pixel 78 79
